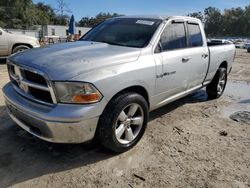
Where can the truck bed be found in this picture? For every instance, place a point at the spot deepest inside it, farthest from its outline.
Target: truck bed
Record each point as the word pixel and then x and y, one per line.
pixel 217 43
pixel 219 53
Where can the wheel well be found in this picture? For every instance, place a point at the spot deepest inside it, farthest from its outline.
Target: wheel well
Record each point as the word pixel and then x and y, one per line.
pixel 20 44
pixel 137 89
pixel 223 64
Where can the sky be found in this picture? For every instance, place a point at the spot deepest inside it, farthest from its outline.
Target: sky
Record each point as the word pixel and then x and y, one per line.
pixel 89 8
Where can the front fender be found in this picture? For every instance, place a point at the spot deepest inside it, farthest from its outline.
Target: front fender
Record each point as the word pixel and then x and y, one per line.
pixel 111 80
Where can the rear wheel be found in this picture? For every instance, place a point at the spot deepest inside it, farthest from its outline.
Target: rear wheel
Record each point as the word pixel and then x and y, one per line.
pixel 216 88
pixel 20 48
pixel 123 122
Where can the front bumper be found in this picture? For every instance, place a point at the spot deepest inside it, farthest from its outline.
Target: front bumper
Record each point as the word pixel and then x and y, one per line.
pixel 36 46
pixel 60 123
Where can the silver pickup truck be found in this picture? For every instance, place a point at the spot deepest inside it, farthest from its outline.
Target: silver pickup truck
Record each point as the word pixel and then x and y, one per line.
pixel 104 85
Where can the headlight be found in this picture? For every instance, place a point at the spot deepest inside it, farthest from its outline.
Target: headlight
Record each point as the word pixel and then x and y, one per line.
pixel 77 92
pixel 35 42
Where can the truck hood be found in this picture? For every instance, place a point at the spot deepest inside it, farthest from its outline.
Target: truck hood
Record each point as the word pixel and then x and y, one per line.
pixel 67 60
pixel 15 38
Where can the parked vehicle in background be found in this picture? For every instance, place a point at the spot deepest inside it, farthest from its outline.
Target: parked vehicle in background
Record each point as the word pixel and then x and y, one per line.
pixel 248 49
pixel 12 43
pixel 239 44
pixel 105 84
pixel 247 45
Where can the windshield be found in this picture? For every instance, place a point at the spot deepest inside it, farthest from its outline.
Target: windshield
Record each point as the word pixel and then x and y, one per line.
pixel 131 32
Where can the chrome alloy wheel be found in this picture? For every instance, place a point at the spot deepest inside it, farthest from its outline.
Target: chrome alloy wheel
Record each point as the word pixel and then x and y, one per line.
pixel 221 84
pixel 129 123
pixel 21 50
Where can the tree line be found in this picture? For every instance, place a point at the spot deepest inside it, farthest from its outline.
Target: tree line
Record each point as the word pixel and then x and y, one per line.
pixel 230 22
pixel 24 14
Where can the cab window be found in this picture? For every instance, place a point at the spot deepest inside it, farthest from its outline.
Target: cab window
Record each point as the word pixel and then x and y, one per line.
pixel 195 37
pixel 173 37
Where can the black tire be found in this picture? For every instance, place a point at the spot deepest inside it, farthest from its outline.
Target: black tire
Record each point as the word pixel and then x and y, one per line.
pixel 20 48
pixel 215 89
pixel 107 126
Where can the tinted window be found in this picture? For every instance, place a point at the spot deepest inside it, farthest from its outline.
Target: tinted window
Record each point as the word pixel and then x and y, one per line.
pixel 195 36
pixel 130 32
pixel 174 37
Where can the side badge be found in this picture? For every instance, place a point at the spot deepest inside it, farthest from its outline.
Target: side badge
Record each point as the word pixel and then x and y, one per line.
pixel 165 74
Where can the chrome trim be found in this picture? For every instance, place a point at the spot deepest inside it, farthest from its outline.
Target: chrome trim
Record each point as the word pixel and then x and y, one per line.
pixel 37 86
pixel 14 77
pixel 25 82
pixel 52 92
pixel 30 96
pixel 28 83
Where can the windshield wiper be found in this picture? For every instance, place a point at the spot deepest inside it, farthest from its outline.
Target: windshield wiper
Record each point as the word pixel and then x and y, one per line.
pixel 111 43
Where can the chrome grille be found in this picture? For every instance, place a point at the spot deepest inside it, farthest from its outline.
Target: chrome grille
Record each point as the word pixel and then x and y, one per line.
pixel 31 84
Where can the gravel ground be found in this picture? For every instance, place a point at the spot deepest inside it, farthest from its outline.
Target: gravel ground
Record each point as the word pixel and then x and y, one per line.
pixel 189 143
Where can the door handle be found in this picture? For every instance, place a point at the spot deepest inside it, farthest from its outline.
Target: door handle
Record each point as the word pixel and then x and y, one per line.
pixel 205 55
pixel 185 59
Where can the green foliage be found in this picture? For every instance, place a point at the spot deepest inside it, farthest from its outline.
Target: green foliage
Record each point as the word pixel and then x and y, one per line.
pixel 213 21
pixel 23 14
pixel 90 22
pixel 230 22
pixel 198 15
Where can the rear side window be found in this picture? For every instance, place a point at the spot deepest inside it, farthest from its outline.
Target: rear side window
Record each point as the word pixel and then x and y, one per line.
pixel 174 37
pixel 195 37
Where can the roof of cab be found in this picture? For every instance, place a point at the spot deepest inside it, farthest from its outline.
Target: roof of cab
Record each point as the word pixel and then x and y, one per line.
pixel 159 17
pixel 144 17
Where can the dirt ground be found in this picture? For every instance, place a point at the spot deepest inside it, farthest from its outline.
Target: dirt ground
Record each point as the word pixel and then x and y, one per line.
pixel 189 143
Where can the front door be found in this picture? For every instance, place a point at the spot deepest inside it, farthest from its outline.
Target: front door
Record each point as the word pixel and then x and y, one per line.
pixel 175 61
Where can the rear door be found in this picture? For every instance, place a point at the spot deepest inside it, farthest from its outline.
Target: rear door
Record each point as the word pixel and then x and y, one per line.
pixel 174 55
pixel 199 55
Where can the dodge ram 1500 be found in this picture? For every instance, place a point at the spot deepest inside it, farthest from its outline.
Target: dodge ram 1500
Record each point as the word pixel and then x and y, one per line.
pixel 104 85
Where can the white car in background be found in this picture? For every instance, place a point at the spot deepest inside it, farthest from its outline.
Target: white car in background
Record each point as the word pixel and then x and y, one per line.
pixel 247 45
pixel 12 43
pixel 239 44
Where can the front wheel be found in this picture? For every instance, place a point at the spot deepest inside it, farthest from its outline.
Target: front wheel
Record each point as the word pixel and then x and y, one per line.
pixel 20 48
pixel 123 122
pixel 216 88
